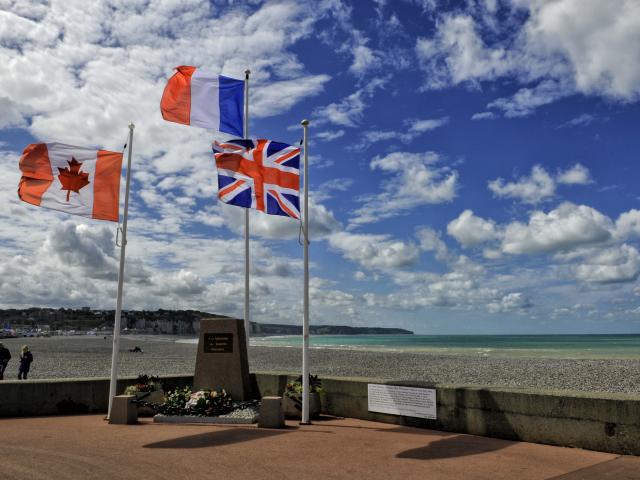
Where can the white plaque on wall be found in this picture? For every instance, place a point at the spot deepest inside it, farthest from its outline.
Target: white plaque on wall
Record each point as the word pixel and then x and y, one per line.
pixel 408 401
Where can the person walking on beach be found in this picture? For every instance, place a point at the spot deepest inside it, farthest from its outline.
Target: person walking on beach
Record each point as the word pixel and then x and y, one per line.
pixel 25 362
pixel 5 356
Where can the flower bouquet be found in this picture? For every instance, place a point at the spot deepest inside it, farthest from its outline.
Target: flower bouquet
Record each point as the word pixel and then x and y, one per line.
pixel 148 392
pixel 202 403
pixel 144 384
pixel 292 399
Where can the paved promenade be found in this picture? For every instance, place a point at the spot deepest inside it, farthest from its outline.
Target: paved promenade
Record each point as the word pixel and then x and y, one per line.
pixel 86 447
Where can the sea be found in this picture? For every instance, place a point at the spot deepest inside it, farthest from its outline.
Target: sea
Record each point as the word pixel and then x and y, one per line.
pixel 545 346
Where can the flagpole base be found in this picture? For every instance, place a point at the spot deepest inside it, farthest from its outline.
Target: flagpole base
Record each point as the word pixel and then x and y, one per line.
pixel 305 423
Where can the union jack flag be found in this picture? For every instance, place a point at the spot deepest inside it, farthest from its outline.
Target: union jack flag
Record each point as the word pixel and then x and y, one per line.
pixel 260 174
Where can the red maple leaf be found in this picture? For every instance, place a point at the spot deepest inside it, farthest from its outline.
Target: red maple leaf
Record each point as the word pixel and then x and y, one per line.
pixel 72 179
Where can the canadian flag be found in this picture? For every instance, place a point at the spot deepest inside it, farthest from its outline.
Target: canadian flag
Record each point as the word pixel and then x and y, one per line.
pixel 76 180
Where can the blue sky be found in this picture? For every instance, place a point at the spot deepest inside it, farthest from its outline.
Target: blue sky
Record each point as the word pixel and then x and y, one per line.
pixel 473 163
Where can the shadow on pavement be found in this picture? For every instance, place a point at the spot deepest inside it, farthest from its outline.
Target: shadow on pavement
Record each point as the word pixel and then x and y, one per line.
pixel 483 415
pixel 457 446
pixel 621 468
pixel 218 438
pixel 419 431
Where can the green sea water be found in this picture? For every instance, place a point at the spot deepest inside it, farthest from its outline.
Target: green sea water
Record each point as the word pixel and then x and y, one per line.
pixel 551 346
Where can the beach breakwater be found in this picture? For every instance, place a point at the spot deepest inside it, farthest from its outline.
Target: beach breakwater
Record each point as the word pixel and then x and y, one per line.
pixel 608 422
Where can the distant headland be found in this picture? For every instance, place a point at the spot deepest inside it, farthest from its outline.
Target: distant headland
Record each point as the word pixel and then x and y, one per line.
pixel 60 321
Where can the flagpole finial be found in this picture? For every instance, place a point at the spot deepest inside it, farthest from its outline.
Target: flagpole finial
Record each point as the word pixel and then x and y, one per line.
pixel 132 126
pixel 304 122
pixel 246 73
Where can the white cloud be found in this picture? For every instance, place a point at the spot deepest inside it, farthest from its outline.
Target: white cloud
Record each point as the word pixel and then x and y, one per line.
pixel 420 126
pixel 277 97
pixel 458 54
pixel 581 120
pixel 76 264
pixel 329 135
pixel 430 241
pixel 533 189
pixel 560 48
pixel 321 222
pixel 567 227
pixel 364 59
pixel 183 282
pixel 628 224
pixel 576 175
pixel 373 136
pixel 11 115
pixel 469 229
pixel 375 251
pixel 510 302
pixel 561 312
pixel 596 40
pixel 610 265
pixel 584 243
pixel 422 183
pixel 93 78
pixel 539 185
pixel 492 253
pixel 322 293
pixel 483 116
pixel 326 190
pixel 349 111
pixel 414 128
pixel 458 290
pixel 91 250
pixel 526 100
pixel 466 286
pixel 81 63
pixel 353 42
pixel 426 5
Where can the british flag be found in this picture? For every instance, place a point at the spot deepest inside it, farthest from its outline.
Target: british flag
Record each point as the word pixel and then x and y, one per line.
pixel 260 174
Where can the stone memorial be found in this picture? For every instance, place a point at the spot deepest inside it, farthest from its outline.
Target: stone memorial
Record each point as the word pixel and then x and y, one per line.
pixel 221 361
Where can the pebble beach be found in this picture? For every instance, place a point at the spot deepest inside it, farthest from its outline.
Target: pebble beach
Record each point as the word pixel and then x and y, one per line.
pixel 74 357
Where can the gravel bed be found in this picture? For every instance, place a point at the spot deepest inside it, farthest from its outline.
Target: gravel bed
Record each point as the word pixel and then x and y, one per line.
pixel 221 420
pixel 69 357
pixel 621 376
pixel 249 413
pixel 245 413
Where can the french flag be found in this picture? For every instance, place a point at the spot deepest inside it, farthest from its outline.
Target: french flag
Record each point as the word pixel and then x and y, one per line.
pixel 196 97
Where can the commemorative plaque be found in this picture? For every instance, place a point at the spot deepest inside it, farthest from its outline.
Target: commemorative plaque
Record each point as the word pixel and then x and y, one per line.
pixel 397 400
pixel 218 343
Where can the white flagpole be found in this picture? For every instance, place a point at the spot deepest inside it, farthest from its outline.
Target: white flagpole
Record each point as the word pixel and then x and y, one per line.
pixel 305 310
pixel 123 245
pixel 247 320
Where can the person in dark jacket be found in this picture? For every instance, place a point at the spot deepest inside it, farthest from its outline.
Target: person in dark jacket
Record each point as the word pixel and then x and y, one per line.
pixel 25 362
pixel 5 356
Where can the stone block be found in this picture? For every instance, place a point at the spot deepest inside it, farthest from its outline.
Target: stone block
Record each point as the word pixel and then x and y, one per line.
pixel 221 361
pixel 271 413
pixel 124 411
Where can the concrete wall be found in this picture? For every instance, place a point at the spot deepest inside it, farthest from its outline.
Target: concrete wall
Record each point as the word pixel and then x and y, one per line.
pixel 64 396
pixel 604 422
